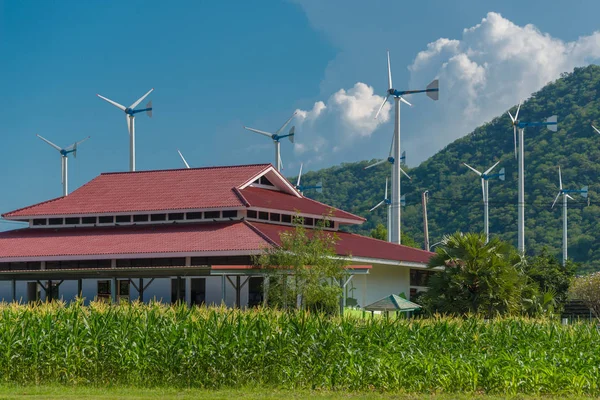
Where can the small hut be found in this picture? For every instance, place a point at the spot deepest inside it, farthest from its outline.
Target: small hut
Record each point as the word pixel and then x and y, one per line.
pixel 392 303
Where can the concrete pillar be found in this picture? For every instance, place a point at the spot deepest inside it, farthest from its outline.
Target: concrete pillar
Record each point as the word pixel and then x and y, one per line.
pixel 13 290
pixel 80 288
pixel 223 290
pixel 141 289
pixel 188 291
pixel 113 289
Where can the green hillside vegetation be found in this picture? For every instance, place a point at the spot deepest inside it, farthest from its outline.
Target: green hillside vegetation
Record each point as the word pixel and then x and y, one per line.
pixel 455 192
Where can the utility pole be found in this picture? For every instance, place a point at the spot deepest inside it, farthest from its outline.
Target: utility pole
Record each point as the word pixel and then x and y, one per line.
pixel 424 199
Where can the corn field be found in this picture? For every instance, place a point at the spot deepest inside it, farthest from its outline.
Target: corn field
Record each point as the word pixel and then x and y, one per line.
pixel 177 346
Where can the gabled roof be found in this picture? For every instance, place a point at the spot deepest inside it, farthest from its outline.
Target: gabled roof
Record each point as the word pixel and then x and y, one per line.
pixel 141 191
pixel 265 198
pixel 392 303
pixel 67 243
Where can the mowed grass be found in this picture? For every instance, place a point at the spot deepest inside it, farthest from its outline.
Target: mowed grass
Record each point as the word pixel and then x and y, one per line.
pixel 125 393
pixel 161 348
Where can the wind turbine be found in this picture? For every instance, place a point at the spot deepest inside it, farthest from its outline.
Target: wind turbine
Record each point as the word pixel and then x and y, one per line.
pixel 565 193
pixel 432 91
pixel 301 188
pixel 552 124
pixel 130 117
pixel 485 176
pixel 276 137
pixel 596 129
pixel 387 201
pixel 183 159
pixel 64 153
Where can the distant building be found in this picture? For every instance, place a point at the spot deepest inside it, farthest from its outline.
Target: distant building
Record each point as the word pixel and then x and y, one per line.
pixel 186 235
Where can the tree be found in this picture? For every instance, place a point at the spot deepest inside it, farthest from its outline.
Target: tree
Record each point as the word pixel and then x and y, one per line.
pixel 477 277
pixel 551 276
pixel 305 268
pixel 587 289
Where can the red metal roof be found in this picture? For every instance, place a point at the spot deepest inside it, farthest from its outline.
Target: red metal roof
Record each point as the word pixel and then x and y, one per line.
pixel 140 239
pixel 357 245
pixel 265 198
pixel 141 191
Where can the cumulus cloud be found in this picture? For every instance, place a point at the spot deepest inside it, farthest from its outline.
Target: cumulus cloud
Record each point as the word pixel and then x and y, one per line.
pixel 346 117
pixel 493 66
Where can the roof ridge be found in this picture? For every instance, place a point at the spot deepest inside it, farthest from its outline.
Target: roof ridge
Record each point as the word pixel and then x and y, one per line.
pixel 238 193
pixel 260 233
pixel 186 169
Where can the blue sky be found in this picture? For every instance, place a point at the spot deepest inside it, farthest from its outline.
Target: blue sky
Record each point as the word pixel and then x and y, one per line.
pixel 218 65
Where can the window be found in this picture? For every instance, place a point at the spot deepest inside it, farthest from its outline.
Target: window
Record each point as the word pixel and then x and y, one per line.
pixel 252 214
pixel 263 215
pixel 104 291
pixel 286 218
pixel 264 181
pixel 198 291
pixel 275 217
pixel 230 214
pixel 39 221
pixel 141 218
pixel 309 221
pixel 123 291
pixel 72 221
pixel 177 290
pixel 158 217
pixel 88 220
pixel 123 219
pixel 194 215
pixel 175 216
pixel 420 277
pixel 212 214
pixel 109 219
pixel 55 221
pixel 255 291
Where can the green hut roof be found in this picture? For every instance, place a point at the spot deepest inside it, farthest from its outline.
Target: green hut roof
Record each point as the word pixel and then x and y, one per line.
pixel 392 303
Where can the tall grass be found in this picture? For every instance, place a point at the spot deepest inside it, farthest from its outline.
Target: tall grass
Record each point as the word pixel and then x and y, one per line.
pixel 157 345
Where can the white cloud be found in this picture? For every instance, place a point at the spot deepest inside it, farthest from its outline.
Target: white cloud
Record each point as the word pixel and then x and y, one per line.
pixel 491 68
pixel 347 117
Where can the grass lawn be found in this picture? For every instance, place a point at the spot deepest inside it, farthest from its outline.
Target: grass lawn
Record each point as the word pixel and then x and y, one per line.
pixel 66 393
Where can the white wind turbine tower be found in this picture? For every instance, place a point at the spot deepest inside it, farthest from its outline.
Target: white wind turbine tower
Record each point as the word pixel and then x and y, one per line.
pixel 276 139
pixel 552 124
pixel 387 202
pixel 64 153
pixel 565 193
pixel 432 91
pixel 485 176
pixel 130 117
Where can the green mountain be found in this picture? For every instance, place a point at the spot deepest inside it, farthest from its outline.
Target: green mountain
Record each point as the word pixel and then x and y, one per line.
pixel 455 202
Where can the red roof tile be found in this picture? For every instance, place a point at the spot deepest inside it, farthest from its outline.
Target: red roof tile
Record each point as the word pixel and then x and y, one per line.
pixel 357 245
pixel 141 191
pixel 168 238
pixel 265 198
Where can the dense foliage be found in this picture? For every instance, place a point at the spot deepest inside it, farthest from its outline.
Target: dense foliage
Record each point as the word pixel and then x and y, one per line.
pixel 157 345
pixel 491 279
pixel 455 202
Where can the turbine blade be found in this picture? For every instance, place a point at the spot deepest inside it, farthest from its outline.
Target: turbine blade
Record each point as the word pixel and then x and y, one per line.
pixel 404 101
pixel 596 129
pixel 285 124
pixel 433 90
pixel 491 168
pixel 292 134
pixel 555 199
pixel 553 123
pixel 517 113
pixel 472 169
pixel 50 143
pixel 183 159
pixel 377 163
pixel 405 174
pixel 386 184
pixel 299 175
pixel 74 145
pixel 114 103
pixel 378 204
pixel 134 105
pixel 381 106
pixel 128 123
pixel 569 197
pixel 390 86
pixel 511 117
pixel 392 145
pixel 270 135
pixel 280 161
pixel 559 178
pixel 483 188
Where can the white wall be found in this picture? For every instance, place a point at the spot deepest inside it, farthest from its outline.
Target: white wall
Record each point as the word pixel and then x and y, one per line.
pixel 381 281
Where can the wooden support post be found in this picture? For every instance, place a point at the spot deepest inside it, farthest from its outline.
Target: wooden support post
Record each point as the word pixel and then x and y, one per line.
pixel 80 288
pixel 141 290
pixel 238 292
pixel 49 292
pixel 178 289
pixel 223 291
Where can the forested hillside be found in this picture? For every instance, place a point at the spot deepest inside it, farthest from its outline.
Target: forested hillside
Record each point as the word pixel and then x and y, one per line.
pixel 455 192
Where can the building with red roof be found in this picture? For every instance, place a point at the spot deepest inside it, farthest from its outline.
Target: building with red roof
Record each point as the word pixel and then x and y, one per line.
pixel 185 234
